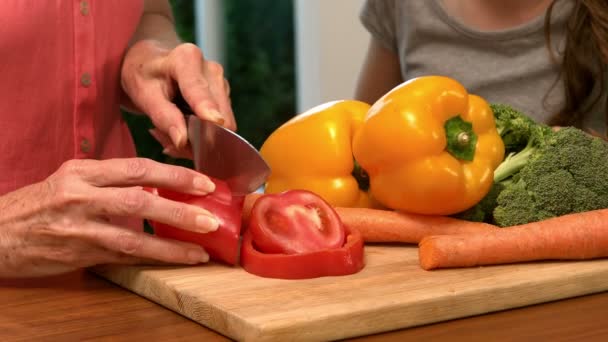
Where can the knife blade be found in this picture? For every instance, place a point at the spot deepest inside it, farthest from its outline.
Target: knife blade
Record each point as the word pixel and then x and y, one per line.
pixel 221 153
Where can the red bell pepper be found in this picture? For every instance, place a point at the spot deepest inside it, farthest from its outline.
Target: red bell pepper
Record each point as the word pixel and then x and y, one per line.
pixel 295 222
pixel 348 259
pixel 222 244
pixel 298 235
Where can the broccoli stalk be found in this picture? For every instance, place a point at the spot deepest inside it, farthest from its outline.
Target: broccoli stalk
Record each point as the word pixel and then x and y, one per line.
pixel 515 161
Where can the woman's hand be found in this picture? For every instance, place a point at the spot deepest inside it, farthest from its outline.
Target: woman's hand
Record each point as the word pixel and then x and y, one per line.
pixel 152 75
pixel 66 221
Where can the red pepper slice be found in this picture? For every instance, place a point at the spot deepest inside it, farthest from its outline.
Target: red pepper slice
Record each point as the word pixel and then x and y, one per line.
pixel 348 259
pixel 222 244
pixel 297 235
pixel 295 222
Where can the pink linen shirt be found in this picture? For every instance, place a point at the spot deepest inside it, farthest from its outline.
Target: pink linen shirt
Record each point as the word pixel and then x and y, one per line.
pixel 60 84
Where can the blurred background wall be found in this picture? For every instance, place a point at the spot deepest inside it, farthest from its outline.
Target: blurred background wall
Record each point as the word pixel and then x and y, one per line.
pixel 330 46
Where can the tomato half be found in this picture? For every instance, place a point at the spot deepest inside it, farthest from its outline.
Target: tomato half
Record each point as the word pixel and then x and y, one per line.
pixel 295 222
pixel 222 244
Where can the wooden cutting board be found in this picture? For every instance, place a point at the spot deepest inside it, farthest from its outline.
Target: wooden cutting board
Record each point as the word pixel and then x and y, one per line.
pixel 392 292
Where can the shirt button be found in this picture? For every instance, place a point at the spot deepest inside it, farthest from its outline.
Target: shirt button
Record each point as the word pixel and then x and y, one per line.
pixel 85 79
pixel 84 8
pixel 85 146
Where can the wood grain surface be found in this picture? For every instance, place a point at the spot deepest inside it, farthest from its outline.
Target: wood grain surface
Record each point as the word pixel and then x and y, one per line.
pixel 391 293
pixel 82 307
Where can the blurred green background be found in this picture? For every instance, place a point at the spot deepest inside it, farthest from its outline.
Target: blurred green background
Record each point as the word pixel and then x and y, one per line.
pixel 259 50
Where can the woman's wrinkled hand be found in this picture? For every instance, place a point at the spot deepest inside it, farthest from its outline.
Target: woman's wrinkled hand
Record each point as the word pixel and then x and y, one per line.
pixel 152 76
pixel 68 221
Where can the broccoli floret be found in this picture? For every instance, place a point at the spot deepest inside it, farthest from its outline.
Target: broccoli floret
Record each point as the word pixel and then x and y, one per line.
pixel 513 126
pixel 521 206
pixel 518 132
pixel 483 211
pixel 545 173
pixel 566 174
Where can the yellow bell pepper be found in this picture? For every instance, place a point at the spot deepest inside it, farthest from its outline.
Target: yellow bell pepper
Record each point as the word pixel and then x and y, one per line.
pixel 313 151
pixel 429 147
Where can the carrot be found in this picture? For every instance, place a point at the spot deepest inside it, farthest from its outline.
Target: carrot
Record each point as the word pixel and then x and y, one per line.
pixel 569 237
pixel 377 225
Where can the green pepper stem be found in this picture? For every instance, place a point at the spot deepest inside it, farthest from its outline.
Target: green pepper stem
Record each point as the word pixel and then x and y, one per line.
pixel 461 139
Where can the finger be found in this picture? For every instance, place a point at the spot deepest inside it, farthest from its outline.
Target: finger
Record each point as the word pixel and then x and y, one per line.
pixel 134 202
pixel 161 137
pixel 131 260
pixel 168 147
pixel 142 172
pixel 135 247
pixel 185 65
pixel 227 86
pixel 218 85
pixel 184 153
pixel 53 254
pixel 99 242
pixel 165 115
pixel 117 258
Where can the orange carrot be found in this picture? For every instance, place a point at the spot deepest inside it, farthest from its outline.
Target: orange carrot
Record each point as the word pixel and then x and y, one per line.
pixel 377 225
pixel 568 237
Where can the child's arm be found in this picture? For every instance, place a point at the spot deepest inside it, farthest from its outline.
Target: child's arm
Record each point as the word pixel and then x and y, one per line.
pixel 379 74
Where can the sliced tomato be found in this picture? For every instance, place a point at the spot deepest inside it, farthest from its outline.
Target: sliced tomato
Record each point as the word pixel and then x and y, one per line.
pixel 295 222
pixel 222 244
pixel 344 260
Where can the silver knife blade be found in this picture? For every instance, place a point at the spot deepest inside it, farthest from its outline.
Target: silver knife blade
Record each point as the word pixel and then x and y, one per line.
pixel 223 154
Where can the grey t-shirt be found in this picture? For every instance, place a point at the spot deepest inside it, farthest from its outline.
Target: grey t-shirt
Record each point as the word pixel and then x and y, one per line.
pixel 511 66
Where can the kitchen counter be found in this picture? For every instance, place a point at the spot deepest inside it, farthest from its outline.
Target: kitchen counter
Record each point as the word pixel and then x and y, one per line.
pixel 82 306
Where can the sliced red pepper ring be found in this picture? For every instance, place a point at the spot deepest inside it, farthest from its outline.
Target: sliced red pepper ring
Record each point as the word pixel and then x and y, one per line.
pixel 348 259
pixel 295 222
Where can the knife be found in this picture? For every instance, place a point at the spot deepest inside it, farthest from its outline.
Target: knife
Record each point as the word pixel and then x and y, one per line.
pixel 221 153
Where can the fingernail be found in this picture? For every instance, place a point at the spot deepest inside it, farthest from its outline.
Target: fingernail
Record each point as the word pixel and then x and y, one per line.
pixel 214 116
pixel 207 223
pixel 203 184
pixel 154 134
pixel 176 136
pixel 198 255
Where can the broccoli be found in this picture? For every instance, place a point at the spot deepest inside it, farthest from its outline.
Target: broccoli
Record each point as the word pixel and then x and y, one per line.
pixel 567 174
pixel 513 126
pixel 538 136
pixel 546 173
pixel 484 210
pixel 515 129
